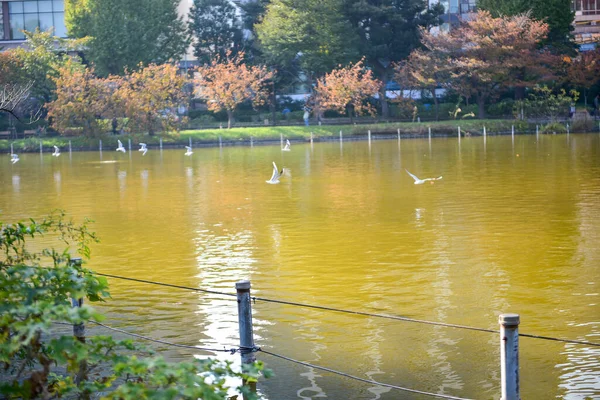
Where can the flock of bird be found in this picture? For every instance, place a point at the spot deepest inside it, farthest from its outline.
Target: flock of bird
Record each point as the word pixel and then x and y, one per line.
pixel 274 178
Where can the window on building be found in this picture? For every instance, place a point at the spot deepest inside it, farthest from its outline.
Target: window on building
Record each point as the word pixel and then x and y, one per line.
pixel 588 7
pixel 1 23
pixel 43 14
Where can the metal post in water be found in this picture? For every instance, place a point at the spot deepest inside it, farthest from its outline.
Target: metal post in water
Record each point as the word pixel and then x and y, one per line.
pixel 567 129
pixel 459 134
pixel 399 134
pixel 160 143
pixel 190 141
pixel 129 140
pixel 251 141
pixel 429 133
pixel 220 141
pixel 512 130
pixel 70 149
pixel 341 135
pixel 537 131
pixel 100 146
pixel 11 149
pixel 281 139
pixel 41 148
pixel 245 326
pixel 369 133
pixel 509 356
pixel 311 137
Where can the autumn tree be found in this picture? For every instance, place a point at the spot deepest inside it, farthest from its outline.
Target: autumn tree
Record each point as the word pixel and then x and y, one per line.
pixel 388 31
pixel 582 71
pixel 227 82
pixel 347 89
pixel 150 96
pixel 14 86
pixel 487 54
pixel 81 99
pixel 558 14
pixel 216 29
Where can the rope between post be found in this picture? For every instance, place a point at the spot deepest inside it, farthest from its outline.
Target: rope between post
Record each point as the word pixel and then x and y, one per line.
pixel 443 396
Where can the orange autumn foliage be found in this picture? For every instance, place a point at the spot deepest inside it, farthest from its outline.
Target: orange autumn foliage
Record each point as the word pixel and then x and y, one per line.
pixel 348 87
pixel 225 83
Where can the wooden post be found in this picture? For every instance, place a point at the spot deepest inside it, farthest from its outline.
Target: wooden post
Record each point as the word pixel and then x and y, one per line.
pixel 245 325
pixel 509 356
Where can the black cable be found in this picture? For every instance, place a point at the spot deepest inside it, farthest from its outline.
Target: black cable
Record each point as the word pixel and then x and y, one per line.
pixel 443 396
pixel 366 314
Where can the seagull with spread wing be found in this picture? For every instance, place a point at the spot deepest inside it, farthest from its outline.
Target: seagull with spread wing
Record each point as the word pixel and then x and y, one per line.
pixel 56 152
pixel 121 148
pixel 143 148
pixel 278 174
pixel 422 181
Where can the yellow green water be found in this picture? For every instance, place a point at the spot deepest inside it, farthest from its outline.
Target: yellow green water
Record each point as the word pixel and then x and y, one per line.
pixel 513 226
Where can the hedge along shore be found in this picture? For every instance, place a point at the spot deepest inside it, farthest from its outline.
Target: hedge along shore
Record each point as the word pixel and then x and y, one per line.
pixel 271 135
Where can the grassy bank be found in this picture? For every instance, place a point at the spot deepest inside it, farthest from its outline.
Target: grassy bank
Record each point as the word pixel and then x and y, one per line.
pixel 267 133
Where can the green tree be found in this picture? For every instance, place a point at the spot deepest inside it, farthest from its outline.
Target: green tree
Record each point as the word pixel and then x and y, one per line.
pixel 556 13
pixel 126 33
pixel 313 34
pixel 38 362
pixel 215 28
pixel 388 31
pixel 41 60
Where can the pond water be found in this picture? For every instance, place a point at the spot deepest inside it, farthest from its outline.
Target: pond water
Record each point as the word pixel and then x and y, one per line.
pixel 513 226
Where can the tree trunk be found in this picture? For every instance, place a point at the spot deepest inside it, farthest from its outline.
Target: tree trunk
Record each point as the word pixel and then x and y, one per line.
pixel 481 105
pixel 436 102
pixel 349 111
pixel 385 110
pixel 229 118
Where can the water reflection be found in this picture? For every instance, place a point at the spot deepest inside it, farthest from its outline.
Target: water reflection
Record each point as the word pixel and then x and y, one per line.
pixel 499 233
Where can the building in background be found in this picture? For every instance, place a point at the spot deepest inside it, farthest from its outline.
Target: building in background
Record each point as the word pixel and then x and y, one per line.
pixel 16 16
pixel 587 23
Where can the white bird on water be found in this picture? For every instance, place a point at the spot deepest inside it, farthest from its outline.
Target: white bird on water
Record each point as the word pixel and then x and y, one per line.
pixel 143 148
pixel 277 174
pixel 422 181
pixel 56 152
pixel 287 146
pixel 189 151
pixel 14 158
pixel 121 148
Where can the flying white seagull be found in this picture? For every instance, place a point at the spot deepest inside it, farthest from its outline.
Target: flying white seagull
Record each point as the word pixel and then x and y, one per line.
pixel 422 181
pixel 143 148
pixel 287 146
pixel 277 174
pixel 14 158
pixel 189 151
pixel 56 152
pixel 121 148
